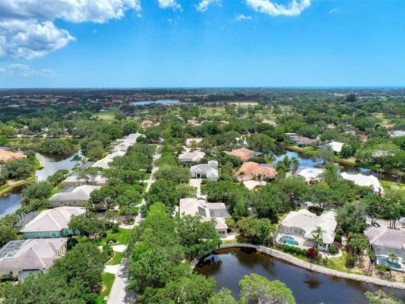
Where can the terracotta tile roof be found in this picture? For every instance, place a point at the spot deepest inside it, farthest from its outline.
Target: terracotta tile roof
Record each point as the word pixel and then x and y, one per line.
pixel 252 170
pixel 244 154
pixel 6 156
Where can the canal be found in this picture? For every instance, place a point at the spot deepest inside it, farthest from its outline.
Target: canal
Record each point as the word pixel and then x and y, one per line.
pixel 10 202
pixel 308 287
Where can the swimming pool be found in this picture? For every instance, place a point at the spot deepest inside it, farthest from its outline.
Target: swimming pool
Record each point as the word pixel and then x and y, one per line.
pixel 289 241
pixel 384 260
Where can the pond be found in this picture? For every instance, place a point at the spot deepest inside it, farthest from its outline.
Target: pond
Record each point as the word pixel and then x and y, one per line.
pixel 308 287
pixel 165 102
pixel 50 163
pixel 10 203
pixel 311 162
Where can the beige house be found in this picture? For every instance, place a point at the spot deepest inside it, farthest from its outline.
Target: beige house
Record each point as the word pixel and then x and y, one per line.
pixel 21 258
pixel 208 212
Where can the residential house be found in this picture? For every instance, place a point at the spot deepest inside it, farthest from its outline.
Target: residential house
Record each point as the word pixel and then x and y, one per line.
pixel 208 212
pixel 255 171
pixel 51 223
pixel 208 171
pixel 191 157
pixel 301 140
pixel 364 181
pixel 310 174
pixel 7 156
pixel 397 133
pixel 74 181
pixel 244 154
pixel 336 146
pixel 386 241
pixel 73 196
pixel 298 227
pixel 19 259
pixel 192 141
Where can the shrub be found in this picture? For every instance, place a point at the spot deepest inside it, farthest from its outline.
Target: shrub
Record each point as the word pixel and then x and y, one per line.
pixel 293 250
pixel 338 238
pixel 71 242
pixel 312 253
pixel 333 249
pixel 115 228
pixel 350 261
pixel 108 251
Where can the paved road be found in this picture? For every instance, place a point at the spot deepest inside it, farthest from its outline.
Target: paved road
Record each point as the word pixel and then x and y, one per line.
pixel 119 294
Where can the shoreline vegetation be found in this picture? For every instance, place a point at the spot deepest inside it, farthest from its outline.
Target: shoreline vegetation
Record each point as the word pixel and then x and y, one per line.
pixel 13 185
pixel 314 267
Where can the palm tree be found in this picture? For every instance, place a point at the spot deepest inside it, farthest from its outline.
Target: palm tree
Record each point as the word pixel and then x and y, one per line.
pixel 392 259
pixel 317 238
pixel 294 164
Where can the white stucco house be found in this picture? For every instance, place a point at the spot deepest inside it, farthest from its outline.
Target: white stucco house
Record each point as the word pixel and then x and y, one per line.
pixel 208 171
pixel 310 174
pixel 298 227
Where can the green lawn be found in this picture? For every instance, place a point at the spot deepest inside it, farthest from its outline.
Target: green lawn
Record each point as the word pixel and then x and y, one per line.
pixel 387 185
pixel 108 280
pixel 120 237
pixel 116 260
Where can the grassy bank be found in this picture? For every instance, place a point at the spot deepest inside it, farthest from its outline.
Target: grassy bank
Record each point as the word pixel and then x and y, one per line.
pixel 108 281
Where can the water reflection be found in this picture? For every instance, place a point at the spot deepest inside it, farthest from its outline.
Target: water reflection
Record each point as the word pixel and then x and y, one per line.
pixel 159 102
pixel 12 201
pixel 52 163
pixel 308 287
pixel 9 203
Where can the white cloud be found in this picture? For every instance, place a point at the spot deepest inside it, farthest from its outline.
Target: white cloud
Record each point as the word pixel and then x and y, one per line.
pixel 23 70
pixel 204 4
pixel 169 4
pixel 242 17
pixel 27 28
pixel 77 11
pixel 30 38
pixel 333 11
pixel 269 7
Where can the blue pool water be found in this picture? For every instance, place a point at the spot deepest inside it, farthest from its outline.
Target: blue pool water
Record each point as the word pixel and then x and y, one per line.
pixel 383 260
pixel 289 241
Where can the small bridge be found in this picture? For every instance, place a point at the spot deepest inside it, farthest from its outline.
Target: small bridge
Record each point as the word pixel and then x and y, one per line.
pixel 229 246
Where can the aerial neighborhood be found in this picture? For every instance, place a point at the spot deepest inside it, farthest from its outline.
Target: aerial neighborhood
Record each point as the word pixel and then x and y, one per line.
pixel 168 190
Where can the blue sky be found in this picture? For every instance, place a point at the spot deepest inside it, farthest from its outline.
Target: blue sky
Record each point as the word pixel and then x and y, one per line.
pixel 175 43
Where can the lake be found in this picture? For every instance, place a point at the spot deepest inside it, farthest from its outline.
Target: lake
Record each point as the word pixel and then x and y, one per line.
pixel 165 102
pixel 50 163
pixel 308 287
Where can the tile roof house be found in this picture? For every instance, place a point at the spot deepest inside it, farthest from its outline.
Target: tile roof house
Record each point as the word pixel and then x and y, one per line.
pixel 310 174
pixel 191 157
pixel 51 223
pixel 385 241
pixel 208 171
pixel 301 140
pixel 255 171
pixel 208 212
pixel 73 197
pixel 298 227
pixel 7 156
pixel 364 181
pixel 21 258
pixel 244 154
pixel 74 181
